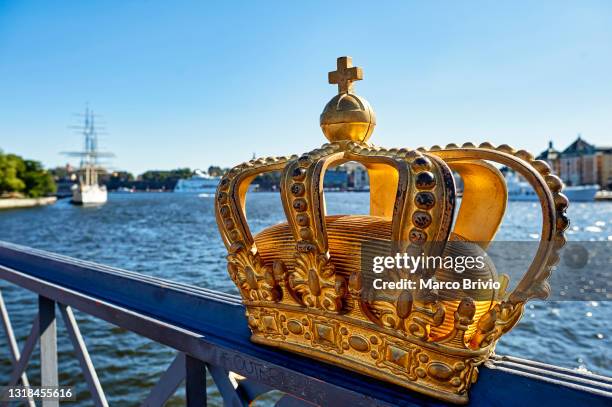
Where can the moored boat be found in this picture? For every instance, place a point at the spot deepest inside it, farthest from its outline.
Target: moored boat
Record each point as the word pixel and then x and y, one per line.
pixel 84 194
pixel 200 182
pixel 88 191
pixel 519 190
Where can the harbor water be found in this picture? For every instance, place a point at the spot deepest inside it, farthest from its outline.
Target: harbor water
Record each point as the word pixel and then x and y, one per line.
pixel 174 236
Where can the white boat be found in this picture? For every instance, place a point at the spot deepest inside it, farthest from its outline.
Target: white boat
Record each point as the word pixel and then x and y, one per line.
pixel 83 194
pixel 87 191
pixel 124 190
pixel 519 190
pixel 200 183
pixel 582 193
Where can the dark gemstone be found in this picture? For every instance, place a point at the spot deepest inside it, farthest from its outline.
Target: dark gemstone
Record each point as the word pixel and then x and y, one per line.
pixel 229 223
pixel 225 211
pixel 425 180
pixel 298 189
pixel 300 205
pixel 562 222
pixel 298 173
pixel 421 163
pixel 425 200
pixel 302 219
pixel 421 219
pixel 417 236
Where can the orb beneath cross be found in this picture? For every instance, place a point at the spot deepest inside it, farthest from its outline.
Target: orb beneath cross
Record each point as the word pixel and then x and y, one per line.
pixel 347 116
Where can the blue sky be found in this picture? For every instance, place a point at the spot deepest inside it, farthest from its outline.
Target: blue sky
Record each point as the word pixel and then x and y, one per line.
pixel 194 83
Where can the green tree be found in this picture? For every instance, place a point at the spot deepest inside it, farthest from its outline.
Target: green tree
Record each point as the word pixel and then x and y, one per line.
pixel 38 181
pixel 10 167
pixel 24 177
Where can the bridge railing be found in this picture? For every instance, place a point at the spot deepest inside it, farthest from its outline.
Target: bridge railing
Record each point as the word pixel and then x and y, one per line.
pixel 209 332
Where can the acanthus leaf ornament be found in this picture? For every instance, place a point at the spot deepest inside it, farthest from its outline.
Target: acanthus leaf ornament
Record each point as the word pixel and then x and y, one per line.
pixel 314 281
pixel 256 280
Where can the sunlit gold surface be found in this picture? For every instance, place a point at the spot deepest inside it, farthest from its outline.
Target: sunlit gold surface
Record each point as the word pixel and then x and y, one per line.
pixel 346 236
pixel 484 200
pixel 303 281
pixel 347 116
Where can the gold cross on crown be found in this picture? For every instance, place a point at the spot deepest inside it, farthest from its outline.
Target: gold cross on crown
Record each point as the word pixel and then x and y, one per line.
pixel 345 75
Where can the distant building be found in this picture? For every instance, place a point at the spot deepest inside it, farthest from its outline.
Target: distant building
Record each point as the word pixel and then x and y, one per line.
pixel 578 163
pixel 551 156
pixel 604 167
pixel 581 163
pixel 361 181
pixel 336 178
pixel 358 176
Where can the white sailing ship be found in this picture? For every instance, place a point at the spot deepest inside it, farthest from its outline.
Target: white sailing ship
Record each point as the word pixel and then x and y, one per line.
pixel 88 191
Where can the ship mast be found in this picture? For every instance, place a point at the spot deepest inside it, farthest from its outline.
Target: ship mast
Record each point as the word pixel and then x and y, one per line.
pixel 90 154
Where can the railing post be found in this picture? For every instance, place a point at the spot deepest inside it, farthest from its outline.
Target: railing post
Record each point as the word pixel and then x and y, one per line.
pixel 48 346
pixel 195 382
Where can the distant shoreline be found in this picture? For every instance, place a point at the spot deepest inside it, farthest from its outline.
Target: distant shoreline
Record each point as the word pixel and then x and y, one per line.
pixel 15 203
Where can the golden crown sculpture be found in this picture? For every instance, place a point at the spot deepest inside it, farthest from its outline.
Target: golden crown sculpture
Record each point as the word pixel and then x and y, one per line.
pixel 302 281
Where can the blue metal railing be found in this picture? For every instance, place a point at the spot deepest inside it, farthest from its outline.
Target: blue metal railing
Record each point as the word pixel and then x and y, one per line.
pixel 210 334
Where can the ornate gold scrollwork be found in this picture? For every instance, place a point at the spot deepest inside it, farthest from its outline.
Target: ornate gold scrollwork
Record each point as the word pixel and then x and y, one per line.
pixel 534 284
pixel 257 281
pixel 313 280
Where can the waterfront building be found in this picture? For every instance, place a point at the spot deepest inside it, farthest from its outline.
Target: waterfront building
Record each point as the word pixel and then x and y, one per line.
pixel 581 163
pixel 361 182
pixel 358 179
pixel 578 163
pixel 551 156
pixel 336 178
pixel 604 167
